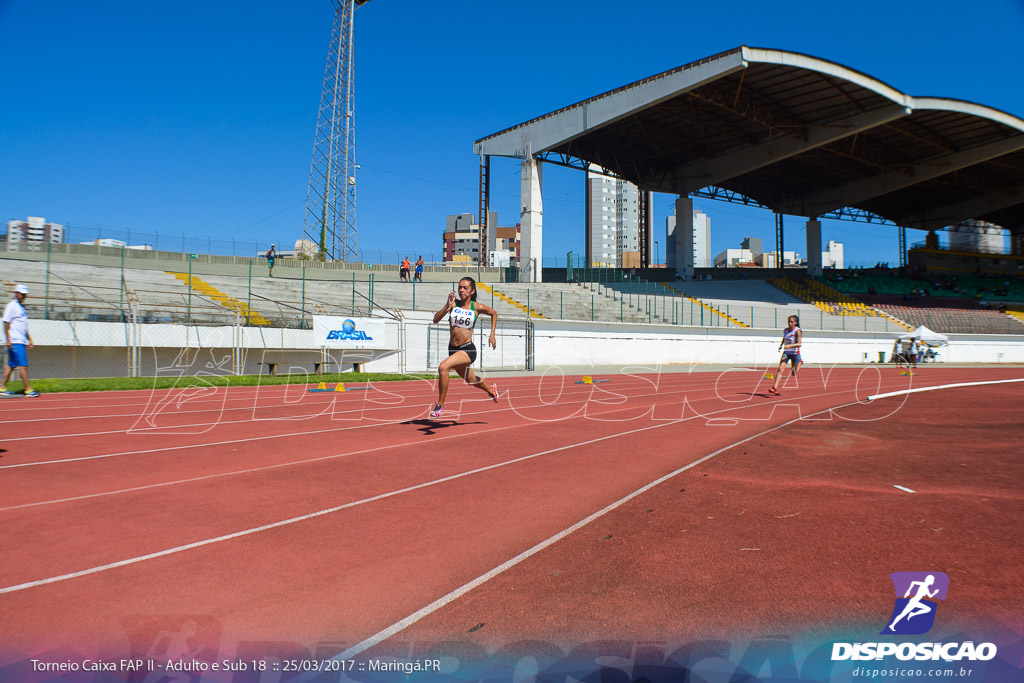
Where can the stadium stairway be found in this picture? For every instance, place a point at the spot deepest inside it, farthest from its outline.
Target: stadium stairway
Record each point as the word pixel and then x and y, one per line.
pixel 711 309
pixel 228 302
pixel 833 302
pixel 489 289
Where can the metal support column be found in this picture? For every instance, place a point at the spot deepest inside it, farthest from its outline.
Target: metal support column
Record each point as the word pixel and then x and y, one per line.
pixel 484 205
pixel 588 228
pixel 780 258
pixel 903 246
pixel 643 222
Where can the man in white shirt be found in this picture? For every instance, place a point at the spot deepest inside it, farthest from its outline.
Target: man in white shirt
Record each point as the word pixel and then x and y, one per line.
pixel 18 339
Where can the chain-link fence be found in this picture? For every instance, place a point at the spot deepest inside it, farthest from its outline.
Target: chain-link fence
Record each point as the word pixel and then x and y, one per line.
pixel 132 348
pixel 514 345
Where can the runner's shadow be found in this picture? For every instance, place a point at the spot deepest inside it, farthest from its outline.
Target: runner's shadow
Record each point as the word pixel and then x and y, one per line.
pixel 755 393
pixel 431 426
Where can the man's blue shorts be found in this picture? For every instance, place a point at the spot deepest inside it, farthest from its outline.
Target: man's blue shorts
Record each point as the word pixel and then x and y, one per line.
pixel 16 356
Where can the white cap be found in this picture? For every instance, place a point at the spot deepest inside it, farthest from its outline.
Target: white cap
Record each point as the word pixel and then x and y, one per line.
pixel 21 289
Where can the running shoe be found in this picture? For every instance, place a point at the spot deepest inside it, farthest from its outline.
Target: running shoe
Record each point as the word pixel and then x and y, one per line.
pixel 774 392
pixel 494 388
pixel 438 411
pixel 7 393
pixel 31 394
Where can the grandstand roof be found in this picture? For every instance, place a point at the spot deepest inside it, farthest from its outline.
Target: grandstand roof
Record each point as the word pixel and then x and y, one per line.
pixel 798 134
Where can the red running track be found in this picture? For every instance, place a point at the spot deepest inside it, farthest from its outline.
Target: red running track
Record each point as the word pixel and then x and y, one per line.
pixel 328 520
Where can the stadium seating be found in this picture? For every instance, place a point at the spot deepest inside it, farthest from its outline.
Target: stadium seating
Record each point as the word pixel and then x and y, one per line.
pixel 85 292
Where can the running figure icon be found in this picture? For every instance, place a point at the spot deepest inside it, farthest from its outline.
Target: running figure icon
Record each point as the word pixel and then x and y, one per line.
pixel 915 607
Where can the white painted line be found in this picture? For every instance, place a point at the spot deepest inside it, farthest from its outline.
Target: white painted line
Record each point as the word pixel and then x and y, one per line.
pixel 319 513
pixel 904 488
pixel 483 578
pixel 376 423
pixel 942 386
pixel 409 398
pixel 389 494
pixel 251 470
pixel 296 462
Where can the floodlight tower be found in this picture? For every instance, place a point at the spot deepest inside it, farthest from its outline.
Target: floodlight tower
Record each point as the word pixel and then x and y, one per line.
pixel 331 197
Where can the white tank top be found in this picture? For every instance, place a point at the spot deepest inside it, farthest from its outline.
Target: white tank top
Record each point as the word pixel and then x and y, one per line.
pixel 463 317
pixel 790 338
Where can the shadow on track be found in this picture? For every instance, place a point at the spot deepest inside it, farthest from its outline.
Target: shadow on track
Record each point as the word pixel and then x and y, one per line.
pixel 430 426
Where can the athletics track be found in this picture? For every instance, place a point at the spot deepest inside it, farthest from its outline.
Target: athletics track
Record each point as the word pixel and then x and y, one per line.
pixel 657 507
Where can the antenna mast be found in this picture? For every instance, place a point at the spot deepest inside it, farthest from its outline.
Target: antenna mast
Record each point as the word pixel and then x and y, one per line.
pixel 331 197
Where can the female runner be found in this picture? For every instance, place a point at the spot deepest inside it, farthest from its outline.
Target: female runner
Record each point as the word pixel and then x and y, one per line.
pixel 462 315
pixel 792 337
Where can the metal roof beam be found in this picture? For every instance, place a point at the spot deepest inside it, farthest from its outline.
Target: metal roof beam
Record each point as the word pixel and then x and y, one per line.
pixel 544 133
pixel 692 177
pixel 859 191
pixel 952 214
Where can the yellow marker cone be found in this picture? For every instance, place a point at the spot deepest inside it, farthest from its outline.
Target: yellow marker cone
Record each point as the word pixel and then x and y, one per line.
pixel 768 375
pixel 587 379
pixel 340 386
pixel 322 385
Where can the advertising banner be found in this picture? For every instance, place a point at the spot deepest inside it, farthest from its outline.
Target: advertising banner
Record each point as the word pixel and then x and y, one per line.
pixel 349 333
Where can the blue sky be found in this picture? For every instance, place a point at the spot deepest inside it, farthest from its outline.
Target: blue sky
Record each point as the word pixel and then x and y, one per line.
pixel 197 118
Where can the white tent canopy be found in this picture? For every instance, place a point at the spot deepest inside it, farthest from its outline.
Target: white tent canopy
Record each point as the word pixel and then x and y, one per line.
pixel 926 336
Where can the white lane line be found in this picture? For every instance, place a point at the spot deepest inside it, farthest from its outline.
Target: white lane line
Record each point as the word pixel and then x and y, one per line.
pixel 319 513
pixel 483 578
pixel 254 469
pixel 292 389
pixel 220 408
pixel 408 401
pixel 943 386
pixel 904 488
pixel 354 411
pixel 269 392
pixel 321 458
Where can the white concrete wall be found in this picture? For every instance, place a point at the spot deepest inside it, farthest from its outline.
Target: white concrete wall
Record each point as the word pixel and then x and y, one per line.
pixel 84 334
pixel 84 349
pixel 562 342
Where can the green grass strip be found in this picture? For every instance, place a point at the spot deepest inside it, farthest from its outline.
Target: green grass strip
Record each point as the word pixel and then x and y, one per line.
pixel 47 386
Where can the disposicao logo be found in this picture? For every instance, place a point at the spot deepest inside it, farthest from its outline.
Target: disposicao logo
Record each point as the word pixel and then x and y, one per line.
pixel 348 331
pixel 914 612
pixel 917 596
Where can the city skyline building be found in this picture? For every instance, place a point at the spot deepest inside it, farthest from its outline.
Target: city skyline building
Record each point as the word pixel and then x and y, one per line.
pixel 976 236
pixel 34 230
pixel 701 240
pixel 461 240
pixel 612 214
pixel 751 255
pixel 832 257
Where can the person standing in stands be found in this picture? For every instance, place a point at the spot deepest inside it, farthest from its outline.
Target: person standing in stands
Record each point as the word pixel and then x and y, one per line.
pixel 419 269
pixel 405 269
pixel 271 256
pixel 18 340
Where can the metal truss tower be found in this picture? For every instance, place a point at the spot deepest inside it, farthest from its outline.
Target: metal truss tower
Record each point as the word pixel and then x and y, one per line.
pixel 331 198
